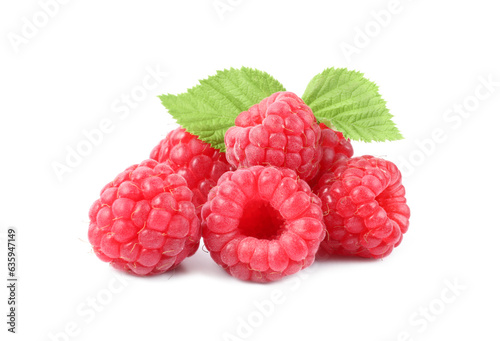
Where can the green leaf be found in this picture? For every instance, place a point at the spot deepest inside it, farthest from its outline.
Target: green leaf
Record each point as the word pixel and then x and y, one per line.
pixel 347 101
pixel 210 108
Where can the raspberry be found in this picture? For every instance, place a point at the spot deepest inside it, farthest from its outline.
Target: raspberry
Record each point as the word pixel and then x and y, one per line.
pixel 200 164
pixel 365 207
pixel 144 221
pixel 334 146
pixel 262 223
pixel 280 131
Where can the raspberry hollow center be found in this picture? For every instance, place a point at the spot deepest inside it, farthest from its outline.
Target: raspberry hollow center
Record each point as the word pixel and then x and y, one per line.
pixel 260 220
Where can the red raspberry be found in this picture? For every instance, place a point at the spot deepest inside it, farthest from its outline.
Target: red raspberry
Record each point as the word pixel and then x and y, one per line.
pixel 365 207
pixel 262 223
pixel 144 221
pixel 200 164
pixel 334 146
pixel 280 131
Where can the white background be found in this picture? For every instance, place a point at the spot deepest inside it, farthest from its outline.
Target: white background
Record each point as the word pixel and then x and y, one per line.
pixel 428 58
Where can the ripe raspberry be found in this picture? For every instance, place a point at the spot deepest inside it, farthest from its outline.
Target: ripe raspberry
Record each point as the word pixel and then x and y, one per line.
pixel 144 221
pixel 365 207
pixel 262 223
pixel 334 146
pixel 200 164
pixel 280 131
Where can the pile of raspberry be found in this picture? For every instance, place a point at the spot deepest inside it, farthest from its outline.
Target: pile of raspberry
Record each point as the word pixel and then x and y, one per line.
pixel 287 190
